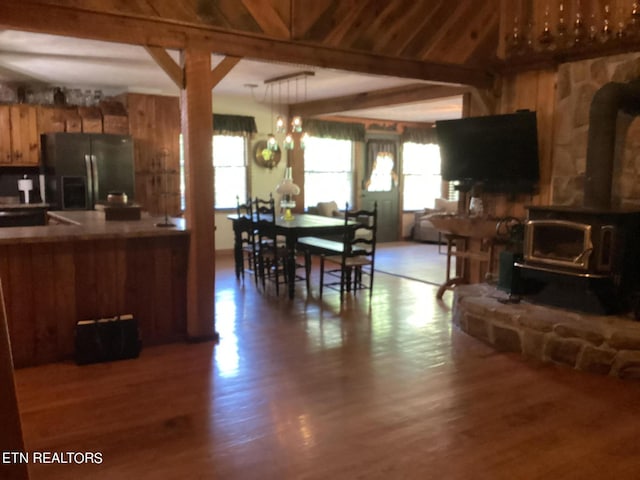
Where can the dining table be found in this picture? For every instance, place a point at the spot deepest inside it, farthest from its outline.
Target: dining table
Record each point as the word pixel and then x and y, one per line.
pixel 301 225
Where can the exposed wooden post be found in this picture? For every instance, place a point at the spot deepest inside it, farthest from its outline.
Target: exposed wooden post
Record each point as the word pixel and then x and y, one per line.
pixel 197 131
pixel 11 432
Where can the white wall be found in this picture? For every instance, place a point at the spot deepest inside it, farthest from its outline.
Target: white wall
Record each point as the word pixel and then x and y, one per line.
pixel 262 180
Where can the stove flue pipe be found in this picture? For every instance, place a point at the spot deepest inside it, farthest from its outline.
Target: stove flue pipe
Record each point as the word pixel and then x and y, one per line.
pixel 607 102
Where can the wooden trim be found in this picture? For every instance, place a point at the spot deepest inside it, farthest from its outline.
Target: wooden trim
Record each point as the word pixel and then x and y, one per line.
pixel 138 30
pixel 376 98
pixel 371 123
pixel 168 64
pixel 222 69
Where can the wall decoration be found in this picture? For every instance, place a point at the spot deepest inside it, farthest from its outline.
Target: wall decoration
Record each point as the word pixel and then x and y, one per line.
pixel 265 157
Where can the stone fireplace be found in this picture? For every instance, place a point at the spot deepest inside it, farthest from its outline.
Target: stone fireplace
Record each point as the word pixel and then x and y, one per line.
pixel 586 257
pixel 582 253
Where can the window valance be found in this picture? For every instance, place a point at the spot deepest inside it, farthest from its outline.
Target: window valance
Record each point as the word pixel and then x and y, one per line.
pixel 419 135
pixel 338 130
pixel 233 124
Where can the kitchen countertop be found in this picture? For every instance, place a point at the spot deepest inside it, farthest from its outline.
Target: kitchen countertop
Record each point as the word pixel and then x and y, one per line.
pixel 22 206
pixel 90 225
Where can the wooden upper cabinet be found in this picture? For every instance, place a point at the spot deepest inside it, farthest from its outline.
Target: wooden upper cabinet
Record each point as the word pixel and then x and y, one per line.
pixel 19 142
pixel 5 136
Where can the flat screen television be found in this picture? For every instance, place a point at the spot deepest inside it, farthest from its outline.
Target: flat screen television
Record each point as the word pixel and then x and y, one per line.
pixel 499 152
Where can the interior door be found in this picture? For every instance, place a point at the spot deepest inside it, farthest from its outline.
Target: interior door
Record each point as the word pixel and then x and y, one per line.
pixel 381 186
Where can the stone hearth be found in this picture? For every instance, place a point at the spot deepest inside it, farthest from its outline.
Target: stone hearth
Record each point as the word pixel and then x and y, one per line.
pixel 607 345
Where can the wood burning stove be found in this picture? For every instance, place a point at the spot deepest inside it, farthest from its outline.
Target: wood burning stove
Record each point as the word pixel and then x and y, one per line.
pixel 583 259
pixel 570 246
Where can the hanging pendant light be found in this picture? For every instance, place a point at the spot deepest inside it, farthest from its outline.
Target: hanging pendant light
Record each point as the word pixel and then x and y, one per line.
pixel 272 143
pixel 303 140
pixel 288 142
pixel 296 124
pixel 279 120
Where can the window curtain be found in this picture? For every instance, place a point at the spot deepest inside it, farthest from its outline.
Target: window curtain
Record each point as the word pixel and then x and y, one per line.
pixel 233 125
pixel 337 130
pixel 419 135
pixel 375 147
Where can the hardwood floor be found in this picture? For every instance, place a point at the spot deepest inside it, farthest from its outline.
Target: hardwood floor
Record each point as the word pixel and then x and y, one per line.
pixel 305 390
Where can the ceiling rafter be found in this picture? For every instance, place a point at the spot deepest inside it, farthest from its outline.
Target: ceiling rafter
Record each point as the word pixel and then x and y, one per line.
pixel 55 19
pixel 377 98
pixel 267 18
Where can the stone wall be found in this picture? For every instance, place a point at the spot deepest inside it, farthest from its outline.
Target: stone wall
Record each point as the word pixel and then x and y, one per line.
pixel 577 83
pixel 608 345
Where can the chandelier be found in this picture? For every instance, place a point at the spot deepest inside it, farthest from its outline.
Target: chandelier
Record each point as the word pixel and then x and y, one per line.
pixel 282 91
pixel 590 27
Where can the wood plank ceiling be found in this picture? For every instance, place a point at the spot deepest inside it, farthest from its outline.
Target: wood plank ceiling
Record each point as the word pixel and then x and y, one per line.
pixel 462 32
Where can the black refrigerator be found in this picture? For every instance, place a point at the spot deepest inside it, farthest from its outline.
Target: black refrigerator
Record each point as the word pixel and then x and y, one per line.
pixel 81 169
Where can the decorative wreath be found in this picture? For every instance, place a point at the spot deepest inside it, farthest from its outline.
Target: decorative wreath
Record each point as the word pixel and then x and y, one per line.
pixel 264 157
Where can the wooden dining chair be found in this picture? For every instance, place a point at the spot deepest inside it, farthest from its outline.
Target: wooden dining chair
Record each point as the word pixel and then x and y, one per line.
pixel 246 233
pixel 357 258
pixel 269 253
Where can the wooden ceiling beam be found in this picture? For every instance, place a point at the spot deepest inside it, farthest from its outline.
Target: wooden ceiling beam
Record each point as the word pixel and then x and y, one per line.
pixel 418 92
pixel 168 64
pixel 138 30
pixel 222 69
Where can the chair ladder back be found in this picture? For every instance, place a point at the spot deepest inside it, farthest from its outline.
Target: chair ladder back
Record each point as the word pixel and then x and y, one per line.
pixel 361 239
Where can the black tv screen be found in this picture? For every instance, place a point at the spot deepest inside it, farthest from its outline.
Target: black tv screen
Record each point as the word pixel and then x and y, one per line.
pixel 498 151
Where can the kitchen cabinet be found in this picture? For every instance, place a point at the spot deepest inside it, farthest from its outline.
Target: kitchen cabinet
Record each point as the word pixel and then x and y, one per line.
pixel 19 142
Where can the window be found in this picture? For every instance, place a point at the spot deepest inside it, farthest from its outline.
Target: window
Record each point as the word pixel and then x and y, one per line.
pixel 230 170
pixel 328 167
pixel 421 175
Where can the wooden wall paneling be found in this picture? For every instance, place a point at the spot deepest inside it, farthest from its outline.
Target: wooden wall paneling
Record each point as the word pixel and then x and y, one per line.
pixel 154 122
pixel 86 275
pixel 546 106
pixel 168 137
pixel 64 290
pixel 141 109
pixel 6 154
pixel 108 278
pixel 114 117
pixel 120 268
pixel 179 261
pixel 140 275
pixel 162 290
pixel 20 303
pixel 46 318
pixel 11 439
